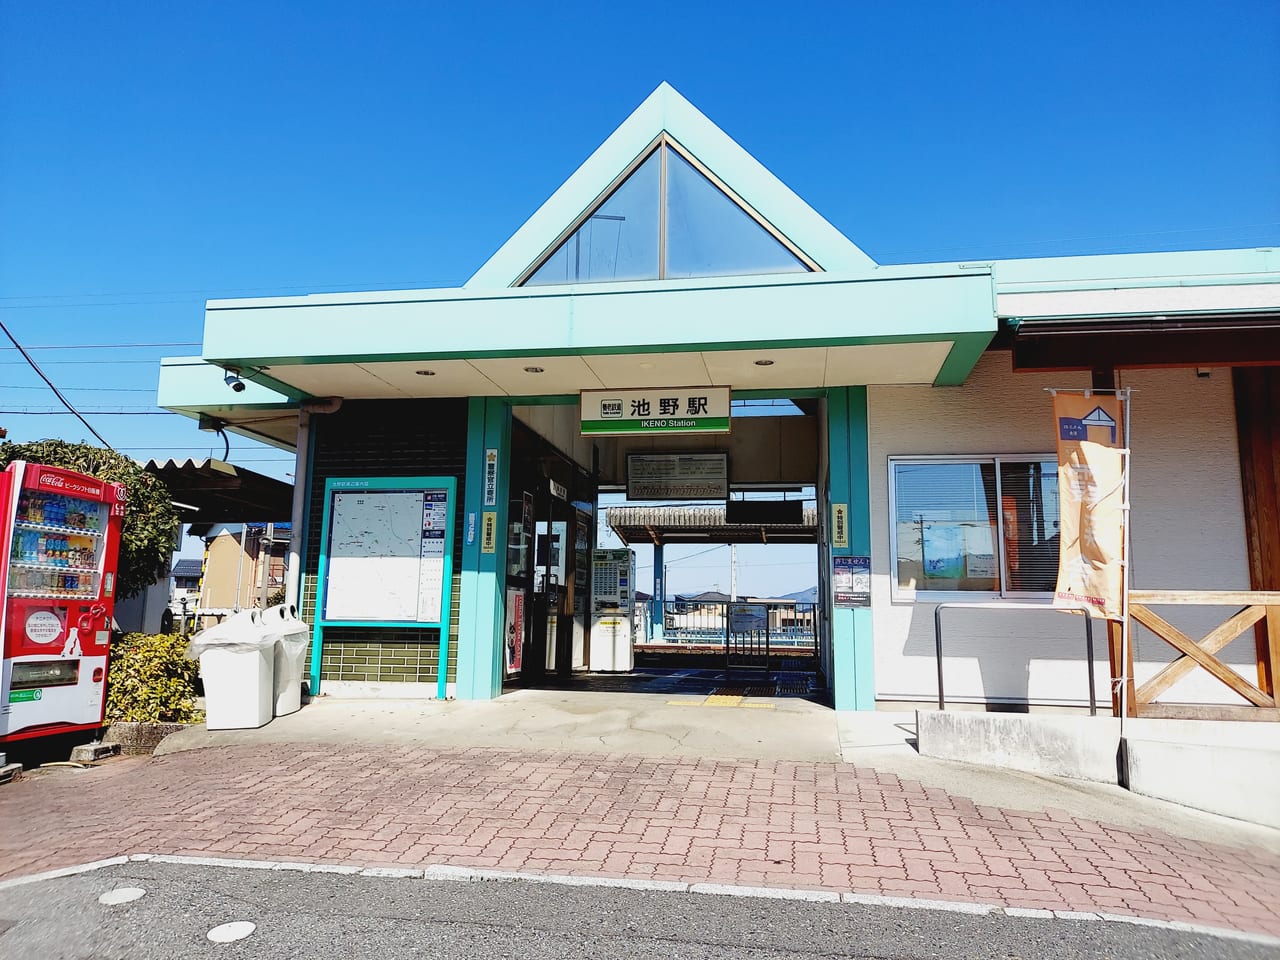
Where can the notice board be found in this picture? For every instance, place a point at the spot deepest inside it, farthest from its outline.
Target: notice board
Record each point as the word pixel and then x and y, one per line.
pixel 386 551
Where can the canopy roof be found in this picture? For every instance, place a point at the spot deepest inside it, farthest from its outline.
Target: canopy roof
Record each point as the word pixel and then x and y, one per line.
pixel 732 280
pixel 666 524
pixel 212 491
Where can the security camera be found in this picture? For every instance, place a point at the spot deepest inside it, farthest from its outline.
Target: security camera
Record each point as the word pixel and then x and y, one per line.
pixel 232 380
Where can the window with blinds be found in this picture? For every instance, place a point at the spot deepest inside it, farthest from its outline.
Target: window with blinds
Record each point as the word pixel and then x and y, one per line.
pixel 974 525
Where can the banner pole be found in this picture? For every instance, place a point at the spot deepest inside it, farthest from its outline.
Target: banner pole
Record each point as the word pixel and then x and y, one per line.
pixel 1125 512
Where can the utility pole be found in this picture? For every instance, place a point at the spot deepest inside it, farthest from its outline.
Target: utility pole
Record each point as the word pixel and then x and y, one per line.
pixel 733 572
pixel 265 545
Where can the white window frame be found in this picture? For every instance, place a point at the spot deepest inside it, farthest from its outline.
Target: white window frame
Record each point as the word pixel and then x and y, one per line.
pixel 901 594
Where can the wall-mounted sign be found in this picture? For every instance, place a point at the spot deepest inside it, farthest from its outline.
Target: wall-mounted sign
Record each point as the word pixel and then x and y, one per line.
pixel 657 410
pixel 678 476
pixel 748 617
pixel 386 551
pixel 840 525
pixel 491 477
pixel 558 490
pixel 489 531
pixel 851 581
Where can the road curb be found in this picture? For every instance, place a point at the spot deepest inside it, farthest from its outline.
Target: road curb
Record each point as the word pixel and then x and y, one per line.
pixel 444 873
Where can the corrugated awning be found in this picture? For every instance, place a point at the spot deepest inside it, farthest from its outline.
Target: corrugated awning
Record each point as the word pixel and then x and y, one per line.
pixel 704 525
pixel 213 491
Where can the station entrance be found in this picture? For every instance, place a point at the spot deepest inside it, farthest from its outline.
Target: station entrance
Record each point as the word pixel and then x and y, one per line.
pixel 682 565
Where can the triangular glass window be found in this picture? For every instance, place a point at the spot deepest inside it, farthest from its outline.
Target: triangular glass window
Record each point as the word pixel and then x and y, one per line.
pixel 619 241
pixel 707 232
pixel 708 235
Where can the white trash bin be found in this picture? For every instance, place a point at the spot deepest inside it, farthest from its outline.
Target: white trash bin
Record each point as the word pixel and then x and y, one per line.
pixel 292 638
pixel 237 661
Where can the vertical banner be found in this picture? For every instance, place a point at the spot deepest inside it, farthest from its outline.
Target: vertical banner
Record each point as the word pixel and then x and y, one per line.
pixel 1090 429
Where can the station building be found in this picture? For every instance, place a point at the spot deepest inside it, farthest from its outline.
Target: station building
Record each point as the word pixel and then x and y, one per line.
pixel 671 261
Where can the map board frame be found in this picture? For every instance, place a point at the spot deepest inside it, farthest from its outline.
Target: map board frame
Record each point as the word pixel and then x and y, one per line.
pixel 339 485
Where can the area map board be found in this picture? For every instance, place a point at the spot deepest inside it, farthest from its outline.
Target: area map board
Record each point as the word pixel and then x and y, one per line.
pixel 386 552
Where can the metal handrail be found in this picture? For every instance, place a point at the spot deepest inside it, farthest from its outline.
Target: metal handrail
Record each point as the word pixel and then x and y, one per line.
pixel 1012 605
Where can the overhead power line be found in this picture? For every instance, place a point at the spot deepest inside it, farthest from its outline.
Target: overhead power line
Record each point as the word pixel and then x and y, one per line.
pixel 232 292
pixel 83 389
pixel 56 392
pixel 718 546
pixel 97 363
pixel 89 413
pixel 112 346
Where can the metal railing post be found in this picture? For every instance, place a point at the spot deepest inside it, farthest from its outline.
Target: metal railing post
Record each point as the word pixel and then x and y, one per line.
pixel 1088 638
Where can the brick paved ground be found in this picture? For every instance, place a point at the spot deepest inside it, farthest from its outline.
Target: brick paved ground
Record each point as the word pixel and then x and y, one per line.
pixel 761 823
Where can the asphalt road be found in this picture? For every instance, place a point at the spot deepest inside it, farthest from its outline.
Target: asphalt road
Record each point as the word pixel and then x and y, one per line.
pixel 332 916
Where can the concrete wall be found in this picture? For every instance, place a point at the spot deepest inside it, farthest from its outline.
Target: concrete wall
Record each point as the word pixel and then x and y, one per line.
pixel 1188 532
pixel 1077 747
pixel 1227 768
pixel 1231 780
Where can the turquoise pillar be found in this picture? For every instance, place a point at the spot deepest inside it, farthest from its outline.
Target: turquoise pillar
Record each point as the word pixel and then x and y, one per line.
pixel 853 655
pixel 657 607
pixel 482 601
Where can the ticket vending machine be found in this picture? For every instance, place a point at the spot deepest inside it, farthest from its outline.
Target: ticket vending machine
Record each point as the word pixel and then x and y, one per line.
pixel 613 578
pixel 59 539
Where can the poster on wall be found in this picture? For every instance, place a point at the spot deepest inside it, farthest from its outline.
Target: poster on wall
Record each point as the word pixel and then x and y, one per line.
pixel 943 551
pixel 851 581
pixel 386 550
pixel 513 647
pixel 1091 475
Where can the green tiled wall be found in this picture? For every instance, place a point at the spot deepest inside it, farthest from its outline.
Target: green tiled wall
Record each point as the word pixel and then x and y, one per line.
pixel 383 662
pixel 386 656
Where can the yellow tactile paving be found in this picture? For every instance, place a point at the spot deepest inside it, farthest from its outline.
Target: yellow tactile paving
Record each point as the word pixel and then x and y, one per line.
pixel 721 700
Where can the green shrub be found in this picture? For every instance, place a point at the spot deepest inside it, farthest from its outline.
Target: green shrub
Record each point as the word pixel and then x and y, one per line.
pixel 151 680
pixel 276 597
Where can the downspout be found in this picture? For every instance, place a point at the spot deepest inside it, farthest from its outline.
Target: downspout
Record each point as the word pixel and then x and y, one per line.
pixel 301 484
pixel 293 575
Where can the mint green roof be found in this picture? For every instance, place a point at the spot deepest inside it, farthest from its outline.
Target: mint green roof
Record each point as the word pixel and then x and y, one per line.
pixel 938 317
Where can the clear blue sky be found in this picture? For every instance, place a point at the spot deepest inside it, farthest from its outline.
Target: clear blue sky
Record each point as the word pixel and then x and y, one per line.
pixel 153 155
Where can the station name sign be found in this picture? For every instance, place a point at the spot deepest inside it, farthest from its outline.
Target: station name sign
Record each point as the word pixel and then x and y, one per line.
pixel 657 410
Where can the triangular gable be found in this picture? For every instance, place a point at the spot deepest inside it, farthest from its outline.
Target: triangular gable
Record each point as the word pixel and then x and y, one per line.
pixel 666 111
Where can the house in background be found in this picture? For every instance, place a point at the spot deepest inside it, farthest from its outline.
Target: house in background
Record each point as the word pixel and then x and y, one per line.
pixel 235 512
pixel 185 594
pixel 244 564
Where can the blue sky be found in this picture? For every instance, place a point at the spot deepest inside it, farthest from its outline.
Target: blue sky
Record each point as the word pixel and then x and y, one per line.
pixel 153 155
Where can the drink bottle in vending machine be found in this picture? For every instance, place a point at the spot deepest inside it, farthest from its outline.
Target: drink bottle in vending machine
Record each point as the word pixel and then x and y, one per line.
pixel 59 540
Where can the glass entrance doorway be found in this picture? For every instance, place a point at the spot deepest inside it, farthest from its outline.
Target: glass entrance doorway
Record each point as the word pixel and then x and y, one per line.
pixel 550 528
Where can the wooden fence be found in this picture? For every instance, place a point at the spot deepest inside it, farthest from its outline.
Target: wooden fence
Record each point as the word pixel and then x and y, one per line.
pixel 1259 610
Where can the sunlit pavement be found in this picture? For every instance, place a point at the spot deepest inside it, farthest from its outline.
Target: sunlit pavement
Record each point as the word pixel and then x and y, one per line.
pixel 754 821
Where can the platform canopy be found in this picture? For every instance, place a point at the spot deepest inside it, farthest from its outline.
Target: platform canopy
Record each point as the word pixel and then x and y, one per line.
pixel 212 491
pixel 704 524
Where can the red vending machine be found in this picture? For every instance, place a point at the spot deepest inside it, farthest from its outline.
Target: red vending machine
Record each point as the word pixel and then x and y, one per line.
pixel 59 537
